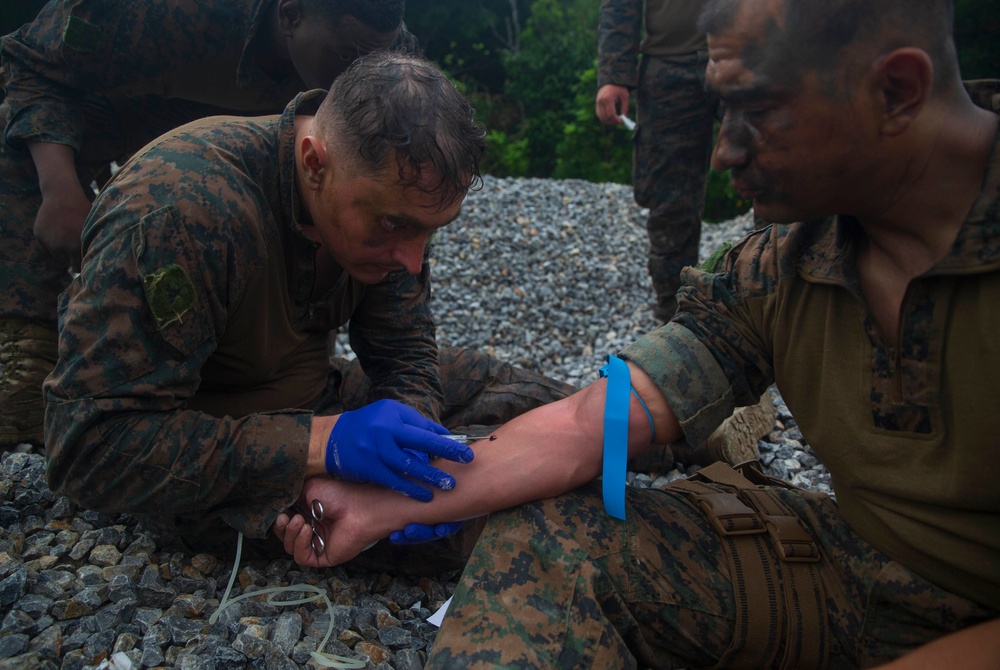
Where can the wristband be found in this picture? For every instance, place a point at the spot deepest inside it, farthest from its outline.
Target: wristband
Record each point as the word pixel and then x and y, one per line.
pixel 616 404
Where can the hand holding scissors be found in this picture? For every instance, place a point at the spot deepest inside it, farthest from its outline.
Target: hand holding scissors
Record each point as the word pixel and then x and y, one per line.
pixel 315 516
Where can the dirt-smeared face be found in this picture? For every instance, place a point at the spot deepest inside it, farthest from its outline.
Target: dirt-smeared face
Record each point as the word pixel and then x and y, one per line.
pixel 795 147
pixel 374 225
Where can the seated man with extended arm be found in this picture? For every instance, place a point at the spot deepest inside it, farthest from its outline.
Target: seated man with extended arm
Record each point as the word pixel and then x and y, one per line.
pixel 194 344
pixel 875 313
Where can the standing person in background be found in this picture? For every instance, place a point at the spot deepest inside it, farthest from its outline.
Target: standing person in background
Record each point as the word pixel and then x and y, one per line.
pixel 674 114
pixel 90 82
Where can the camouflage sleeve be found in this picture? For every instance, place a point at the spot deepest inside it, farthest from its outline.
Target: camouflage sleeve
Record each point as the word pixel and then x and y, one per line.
pixel 715 354
pixel 619 34
pixel 136 327
pixel 94 46
pixel 394 336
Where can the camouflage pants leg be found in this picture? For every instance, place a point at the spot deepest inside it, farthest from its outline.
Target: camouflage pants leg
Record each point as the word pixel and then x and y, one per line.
pixel 479 390
pixel 673 140
pixel 560 584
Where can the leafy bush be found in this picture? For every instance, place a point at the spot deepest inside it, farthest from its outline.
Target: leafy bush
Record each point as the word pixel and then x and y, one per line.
pixel 589 149
pixel 557 44
pixel 505 157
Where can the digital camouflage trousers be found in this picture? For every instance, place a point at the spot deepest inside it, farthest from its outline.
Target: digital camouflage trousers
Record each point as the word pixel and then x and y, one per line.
pixel 560 584
pixel 479 390
pixel 673 139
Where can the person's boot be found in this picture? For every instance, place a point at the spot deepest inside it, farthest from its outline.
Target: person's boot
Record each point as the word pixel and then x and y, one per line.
pixel 735 441
pixel 28 354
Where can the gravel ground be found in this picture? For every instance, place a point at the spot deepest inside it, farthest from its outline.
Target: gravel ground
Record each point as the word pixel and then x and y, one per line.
pixel 546 274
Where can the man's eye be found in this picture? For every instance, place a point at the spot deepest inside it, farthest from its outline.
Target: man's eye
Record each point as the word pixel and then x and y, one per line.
pixel 390 226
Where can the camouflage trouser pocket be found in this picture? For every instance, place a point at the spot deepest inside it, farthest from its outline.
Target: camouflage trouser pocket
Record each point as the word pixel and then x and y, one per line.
pixel 905 611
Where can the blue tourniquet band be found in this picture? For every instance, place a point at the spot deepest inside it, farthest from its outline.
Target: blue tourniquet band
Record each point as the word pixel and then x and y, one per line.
pixel 616 405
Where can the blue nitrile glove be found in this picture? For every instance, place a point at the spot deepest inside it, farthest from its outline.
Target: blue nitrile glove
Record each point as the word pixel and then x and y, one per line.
pixel 377 443
pixel 416 533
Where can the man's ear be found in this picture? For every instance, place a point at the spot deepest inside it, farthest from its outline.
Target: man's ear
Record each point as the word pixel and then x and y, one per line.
pixel 314 160
pixel 289 16
pixel 905 78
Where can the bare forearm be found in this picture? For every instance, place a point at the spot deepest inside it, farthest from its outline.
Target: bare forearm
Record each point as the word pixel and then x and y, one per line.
pixel 56 166
pixel 319 434
pixel 538 455
pixel 524 462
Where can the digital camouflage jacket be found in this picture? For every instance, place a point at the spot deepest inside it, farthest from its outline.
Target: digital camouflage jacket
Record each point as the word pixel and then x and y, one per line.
pixel 651 27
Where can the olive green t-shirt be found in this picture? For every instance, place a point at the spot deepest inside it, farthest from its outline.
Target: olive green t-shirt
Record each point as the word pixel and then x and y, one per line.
pixel 908 431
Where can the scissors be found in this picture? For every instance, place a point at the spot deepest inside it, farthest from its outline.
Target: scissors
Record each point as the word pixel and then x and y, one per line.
pixel 314 517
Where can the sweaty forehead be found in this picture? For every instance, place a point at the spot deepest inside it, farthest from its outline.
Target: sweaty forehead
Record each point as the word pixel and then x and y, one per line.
pixel 743 55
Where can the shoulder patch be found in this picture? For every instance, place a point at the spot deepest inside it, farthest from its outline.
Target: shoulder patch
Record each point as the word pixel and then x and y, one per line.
pixel 81 35
pixel 170 293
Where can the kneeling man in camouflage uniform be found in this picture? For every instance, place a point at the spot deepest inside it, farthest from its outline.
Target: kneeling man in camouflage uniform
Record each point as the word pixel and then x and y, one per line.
pixel 192 380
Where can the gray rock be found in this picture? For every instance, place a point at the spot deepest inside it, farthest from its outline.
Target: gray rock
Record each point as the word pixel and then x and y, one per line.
pixel 152 656
pixel 99 644
pixel 16 621
pixel 396 637
pixel 13 644
pixel 12 588
pixel 287 631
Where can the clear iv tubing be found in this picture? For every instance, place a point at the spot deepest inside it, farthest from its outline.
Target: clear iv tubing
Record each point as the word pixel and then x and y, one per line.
pixel 323 659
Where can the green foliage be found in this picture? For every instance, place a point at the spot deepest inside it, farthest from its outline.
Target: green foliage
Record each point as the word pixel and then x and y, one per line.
pixel 558 43
pixel 528 65
pixel 589 149
pixel 505 157
pixel 469 38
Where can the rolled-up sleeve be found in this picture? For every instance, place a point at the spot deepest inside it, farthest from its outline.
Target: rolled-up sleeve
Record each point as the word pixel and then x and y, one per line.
pixel 713 356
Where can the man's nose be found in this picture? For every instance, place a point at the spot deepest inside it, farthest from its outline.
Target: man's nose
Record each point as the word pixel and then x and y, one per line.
pixel 729 151
pixel 410 255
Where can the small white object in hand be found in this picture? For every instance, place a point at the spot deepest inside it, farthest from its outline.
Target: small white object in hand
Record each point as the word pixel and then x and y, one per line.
pixel 629 123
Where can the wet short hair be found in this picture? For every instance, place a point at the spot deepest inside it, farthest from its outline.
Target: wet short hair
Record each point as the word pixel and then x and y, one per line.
pixel 391 106
pixel 815 36
pixel 379 15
